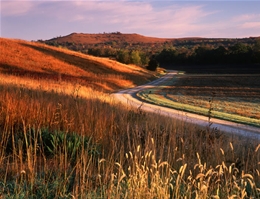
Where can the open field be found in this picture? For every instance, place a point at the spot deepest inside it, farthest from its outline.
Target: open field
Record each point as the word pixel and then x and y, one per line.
pixel 231 97
pixel 221 69
pixel 63 136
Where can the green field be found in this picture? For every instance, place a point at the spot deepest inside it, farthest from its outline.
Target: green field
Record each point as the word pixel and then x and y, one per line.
pixel 230 97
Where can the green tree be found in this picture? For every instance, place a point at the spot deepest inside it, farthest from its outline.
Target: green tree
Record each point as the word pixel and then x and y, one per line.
pixel 239 53
pixel 256 52
pixel 123 56
pixel 144 58
pixel 135 57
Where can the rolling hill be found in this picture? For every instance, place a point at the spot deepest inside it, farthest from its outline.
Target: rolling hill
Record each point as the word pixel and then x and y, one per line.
pixel 108 37
pixel 22 61
pixel 133 38
pixel 126 48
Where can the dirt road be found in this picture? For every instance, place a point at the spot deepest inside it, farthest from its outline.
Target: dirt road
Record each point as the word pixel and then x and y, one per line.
pixel 128 97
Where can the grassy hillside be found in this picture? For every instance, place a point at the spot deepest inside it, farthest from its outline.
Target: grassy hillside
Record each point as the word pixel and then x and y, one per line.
pixel 36 61
pixel 108 37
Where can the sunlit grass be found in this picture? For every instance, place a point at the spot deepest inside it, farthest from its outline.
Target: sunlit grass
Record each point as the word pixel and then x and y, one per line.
pixel 38 61
pixel 63 138
pixel 60 145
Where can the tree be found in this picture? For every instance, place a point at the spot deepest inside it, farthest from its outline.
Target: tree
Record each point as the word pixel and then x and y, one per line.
pixel 123 56
pixel 135 57
pixel 256 52
pixel 144 58
pixel 153 64
pixel 239 53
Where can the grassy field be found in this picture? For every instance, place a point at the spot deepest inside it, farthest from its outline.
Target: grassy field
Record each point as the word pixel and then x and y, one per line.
pixel 63 138
pixel 230 97
pixel 33 61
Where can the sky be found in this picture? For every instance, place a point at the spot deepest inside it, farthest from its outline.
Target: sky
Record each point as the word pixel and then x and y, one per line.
pixel 37 19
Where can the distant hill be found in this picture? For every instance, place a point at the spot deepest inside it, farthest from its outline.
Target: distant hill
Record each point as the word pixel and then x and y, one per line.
pixel 139 49
pixel 108 38
pixel 149 45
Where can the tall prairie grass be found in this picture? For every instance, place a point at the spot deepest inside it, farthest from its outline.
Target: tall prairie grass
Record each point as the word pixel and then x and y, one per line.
pixel 56 145
pixel 61 137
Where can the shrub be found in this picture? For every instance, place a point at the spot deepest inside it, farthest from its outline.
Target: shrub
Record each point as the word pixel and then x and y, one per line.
pixel 152 65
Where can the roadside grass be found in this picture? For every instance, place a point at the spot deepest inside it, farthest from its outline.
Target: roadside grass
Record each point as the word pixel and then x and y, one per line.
pixel 55 145
pixel 236 102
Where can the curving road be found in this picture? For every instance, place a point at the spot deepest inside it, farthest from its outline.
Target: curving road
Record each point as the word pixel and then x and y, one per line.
pixel 129 98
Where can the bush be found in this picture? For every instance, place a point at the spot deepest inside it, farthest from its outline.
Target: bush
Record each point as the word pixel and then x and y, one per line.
pixel 153 64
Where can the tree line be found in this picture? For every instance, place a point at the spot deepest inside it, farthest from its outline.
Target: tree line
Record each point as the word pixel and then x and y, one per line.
pixel 237 54
pixel 245 51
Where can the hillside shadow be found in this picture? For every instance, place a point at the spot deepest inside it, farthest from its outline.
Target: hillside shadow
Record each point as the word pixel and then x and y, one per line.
pixel 84 64
pixel 91 82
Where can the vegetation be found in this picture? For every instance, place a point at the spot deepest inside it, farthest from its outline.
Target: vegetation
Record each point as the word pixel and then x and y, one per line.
pixel 230 97
pixel 36 61
pixel 153 64
pixel 59 146
pixel 50 149
pixel 238 53
pixel 184 51
pixel 62 139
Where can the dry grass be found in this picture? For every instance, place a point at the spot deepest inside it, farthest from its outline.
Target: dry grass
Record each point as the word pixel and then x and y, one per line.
pixel 81 38
pixel 62 139
pixel 103 150
pixel 38 61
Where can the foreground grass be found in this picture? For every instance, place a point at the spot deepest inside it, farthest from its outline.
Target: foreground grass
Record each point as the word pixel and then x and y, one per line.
pixel 56 145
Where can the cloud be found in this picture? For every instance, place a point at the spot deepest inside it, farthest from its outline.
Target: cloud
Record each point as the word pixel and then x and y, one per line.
pixel 248 22
pixel 249 25
pixel 137 16
pixel 150 18
pixel 126 16
pixel 245 17
pixel 15 8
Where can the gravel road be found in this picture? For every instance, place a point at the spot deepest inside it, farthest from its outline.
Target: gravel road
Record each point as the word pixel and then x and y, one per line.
pixel 128 97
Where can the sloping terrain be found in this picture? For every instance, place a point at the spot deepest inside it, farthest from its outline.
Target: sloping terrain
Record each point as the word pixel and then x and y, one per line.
pixel 133 38
pixel 118 39
pixel 31 61
pixel 108 37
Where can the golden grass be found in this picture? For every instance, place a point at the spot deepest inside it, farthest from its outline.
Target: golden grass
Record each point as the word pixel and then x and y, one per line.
pixel 39 61
pixel 103 38
pixel 63 138
pixel 130 154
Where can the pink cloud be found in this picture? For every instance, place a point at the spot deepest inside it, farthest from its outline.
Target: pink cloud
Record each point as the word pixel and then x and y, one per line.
pixel 246 17
pixel 15 8
pixel 255 24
